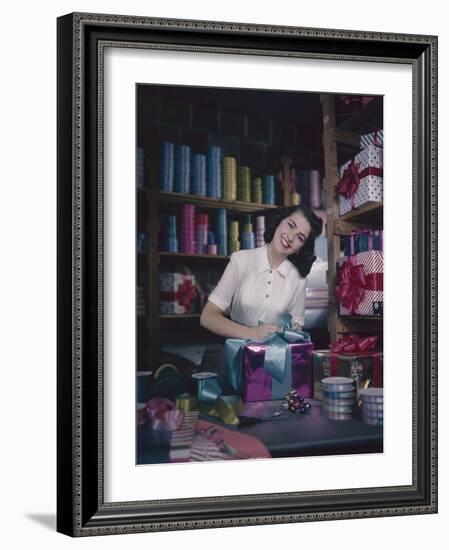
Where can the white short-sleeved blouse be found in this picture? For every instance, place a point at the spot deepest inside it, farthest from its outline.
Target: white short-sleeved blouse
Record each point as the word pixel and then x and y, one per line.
pixel 249 291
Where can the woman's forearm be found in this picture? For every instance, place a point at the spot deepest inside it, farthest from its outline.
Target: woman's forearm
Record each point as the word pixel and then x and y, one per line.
pixel 216 322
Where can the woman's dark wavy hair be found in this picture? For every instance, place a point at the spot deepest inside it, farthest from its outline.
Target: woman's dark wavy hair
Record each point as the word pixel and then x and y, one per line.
pixel 303 261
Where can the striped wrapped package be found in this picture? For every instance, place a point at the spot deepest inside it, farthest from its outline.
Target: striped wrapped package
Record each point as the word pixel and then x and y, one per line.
pixel 375 138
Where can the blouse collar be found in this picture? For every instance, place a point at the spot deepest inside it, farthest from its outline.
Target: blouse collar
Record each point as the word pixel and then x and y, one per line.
pixel 284 268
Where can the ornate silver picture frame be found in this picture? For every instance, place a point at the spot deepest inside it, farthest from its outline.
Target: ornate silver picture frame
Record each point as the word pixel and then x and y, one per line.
pixel 83 509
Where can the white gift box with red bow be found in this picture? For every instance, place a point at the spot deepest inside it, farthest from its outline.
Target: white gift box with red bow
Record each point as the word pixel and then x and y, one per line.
pixel 361 180
pixel 177 292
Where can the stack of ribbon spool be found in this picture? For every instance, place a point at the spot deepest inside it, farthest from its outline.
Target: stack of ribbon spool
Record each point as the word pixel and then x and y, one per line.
pixel 257 194
pixel 303 185
pixel 222 232
pixel 372 406
pixel 244 184
pixel 260 230
pixel 339 396
pixel 170 236
pixel 315 189
pixel 201 231
pixel 230 178
pixel 188 229
pixel 234 243
pixel 182 169
pixel 167 177
pixel 295 196
pixel 211 244
pixel 248 237
pixel 199 183
pixel 214 172
pixel 269 189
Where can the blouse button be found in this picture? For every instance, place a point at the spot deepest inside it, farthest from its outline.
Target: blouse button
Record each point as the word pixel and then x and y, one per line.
pixel 267 295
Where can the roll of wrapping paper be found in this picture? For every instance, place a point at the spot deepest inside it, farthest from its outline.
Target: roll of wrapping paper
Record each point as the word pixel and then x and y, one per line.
pixel 257 194
pixel 244 184
pixel 182 169
pixel 315 189
pixel 167 176
pixel 199 176
pixel 230 178
pixel 214 172
pixel 187 233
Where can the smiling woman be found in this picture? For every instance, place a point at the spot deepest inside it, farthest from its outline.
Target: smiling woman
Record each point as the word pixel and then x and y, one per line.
pixel 261 284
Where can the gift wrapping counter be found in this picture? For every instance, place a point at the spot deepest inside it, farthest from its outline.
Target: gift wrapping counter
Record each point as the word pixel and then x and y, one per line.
pixel 287 435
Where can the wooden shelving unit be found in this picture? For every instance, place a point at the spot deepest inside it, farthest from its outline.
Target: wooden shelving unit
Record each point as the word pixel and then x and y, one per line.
pixel 156 201
pixel 207 202
pixel 183 256
pixel 348 132
pixel 256 135
pixel 186 316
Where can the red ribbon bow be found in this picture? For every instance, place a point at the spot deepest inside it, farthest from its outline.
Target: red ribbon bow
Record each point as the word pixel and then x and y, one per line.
pixel 353 282
pixel 349 183
pixel 353 343
pixel 351 286
pixel 186 293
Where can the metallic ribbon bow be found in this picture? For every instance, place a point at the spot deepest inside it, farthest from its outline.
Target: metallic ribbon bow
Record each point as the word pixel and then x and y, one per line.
pixel 353 282
pixel 353 343
pixel 277 362
pixel 213 403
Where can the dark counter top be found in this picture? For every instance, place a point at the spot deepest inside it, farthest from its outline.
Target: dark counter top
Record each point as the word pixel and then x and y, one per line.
pixel 290 434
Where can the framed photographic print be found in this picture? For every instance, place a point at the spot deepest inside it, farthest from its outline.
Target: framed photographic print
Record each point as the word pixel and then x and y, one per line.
pixel 246 274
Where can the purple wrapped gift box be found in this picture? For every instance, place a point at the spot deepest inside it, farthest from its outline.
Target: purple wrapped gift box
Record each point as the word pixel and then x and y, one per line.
pixel 258 385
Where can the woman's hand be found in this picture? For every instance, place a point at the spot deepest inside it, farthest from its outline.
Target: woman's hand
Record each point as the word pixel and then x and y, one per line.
pixel 296 326
pixel 263 331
